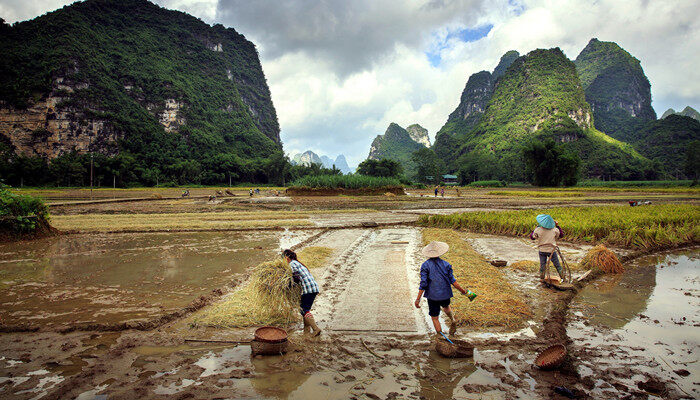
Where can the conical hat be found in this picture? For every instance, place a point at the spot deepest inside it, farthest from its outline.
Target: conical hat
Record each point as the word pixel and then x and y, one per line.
pixel 545 221
pixel 435 249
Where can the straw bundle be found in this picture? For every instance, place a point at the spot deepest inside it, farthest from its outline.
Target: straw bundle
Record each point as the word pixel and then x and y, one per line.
pixel 265 299
pixel 601 259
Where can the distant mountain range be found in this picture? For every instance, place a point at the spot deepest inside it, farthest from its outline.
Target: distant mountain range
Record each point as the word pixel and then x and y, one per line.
pixel 598 106
pixel 309 157
pixel 687 112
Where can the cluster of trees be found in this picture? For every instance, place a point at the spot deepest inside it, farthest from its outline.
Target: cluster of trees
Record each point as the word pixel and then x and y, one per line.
pixel 547 164
pixel 124 170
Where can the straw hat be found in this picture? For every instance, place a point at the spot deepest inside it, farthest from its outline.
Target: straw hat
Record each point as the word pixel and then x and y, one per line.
pixel 435 249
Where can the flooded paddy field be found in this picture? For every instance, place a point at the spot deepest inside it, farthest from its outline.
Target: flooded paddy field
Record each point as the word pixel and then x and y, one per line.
pixel 383 349
pixel 115 278
pixel 375 344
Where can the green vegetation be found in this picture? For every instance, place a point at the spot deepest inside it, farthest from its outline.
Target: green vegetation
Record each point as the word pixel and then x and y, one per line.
pixel 688 111
pixel 692 161
pixel 630 184
pixel 396 144
pixel 534 193
pixel 123 60
pixel 539 98
pixel 428 165
pixel 614 83
pixel 354 181
pixel 667 142
pixel 384 168
pixel 548 164
pixel 21 213
pixel 487 184
pixel 643 227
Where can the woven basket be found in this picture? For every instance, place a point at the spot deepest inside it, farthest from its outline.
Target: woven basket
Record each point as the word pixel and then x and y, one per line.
pixel 270 334
pixel 459 349
pixel 552 357
pixel 268 349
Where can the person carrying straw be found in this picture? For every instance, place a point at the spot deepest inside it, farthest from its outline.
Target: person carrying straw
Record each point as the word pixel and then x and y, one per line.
pixel 546 235
pixel 309 290
pixel 436 281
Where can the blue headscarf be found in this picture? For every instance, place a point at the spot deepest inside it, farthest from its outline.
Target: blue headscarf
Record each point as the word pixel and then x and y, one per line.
pixel 546 221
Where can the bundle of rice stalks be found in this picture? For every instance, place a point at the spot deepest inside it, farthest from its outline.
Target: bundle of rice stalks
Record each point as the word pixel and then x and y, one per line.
pixel 601 259
pixel 267 298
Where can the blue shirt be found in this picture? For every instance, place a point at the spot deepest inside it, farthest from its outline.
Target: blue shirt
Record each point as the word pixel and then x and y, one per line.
pixel 306 280
pixel 436 279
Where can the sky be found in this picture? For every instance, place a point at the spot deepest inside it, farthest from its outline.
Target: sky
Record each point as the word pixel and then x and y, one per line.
pixel 340 71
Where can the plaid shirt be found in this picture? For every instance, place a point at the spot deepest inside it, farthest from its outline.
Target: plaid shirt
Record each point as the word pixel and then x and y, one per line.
pixel 307 282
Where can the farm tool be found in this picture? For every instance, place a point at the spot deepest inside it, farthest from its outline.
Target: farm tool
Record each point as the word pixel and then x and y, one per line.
pixel 565 272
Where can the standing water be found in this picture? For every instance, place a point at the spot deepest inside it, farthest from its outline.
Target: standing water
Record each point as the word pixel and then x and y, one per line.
pixel 110 278
pixel 643 323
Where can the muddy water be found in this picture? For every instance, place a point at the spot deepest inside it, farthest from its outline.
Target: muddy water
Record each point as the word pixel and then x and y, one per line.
pixel 122 277
pixel 647 320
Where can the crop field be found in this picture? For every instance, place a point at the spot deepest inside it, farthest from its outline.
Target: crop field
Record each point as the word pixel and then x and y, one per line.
pixel 644 227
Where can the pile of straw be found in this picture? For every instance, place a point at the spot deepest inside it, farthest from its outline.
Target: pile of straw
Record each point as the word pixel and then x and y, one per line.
pixel 601 259
pixel 265 299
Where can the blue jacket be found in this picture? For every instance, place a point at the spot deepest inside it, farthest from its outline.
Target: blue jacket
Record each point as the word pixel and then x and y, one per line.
pixel 436 278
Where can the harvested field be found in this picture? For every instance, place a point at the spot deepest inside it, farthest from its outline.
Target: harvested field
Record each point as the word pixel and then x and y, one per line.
pixel 498 303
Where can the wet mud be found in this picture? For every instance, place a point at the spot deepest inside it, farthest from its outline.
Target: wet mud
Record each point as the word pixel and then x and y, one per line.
pixel 601 323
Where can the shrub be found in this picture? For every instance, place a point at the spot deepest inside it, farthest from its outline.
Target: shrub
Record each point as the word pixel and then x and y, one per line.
pixel 21 213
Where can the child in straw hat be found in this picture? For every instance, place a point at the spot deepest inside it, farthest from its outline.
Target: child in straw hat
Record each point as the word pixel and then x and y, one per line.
pixel 436 281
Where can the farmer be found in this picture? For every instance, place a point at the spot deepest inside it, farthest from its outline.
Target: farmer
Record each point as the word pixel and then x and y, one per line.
pixel 436 281
pixel 309 290
pixel 436 191
pixel 546 235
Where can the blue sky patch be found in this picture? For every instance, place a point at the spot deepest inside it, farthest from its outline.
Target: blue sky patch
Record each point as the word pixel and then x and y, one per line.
pixel 463 35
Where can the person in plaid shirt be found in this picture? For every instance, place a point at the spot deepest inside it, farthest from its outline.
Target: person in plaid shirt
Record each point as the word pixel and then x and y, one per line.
pixel 309 290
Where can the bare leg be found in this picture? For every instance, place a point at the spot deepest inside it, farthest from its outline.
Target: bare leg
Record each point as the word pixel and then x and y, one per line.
pixel 453 326
pixel 436 324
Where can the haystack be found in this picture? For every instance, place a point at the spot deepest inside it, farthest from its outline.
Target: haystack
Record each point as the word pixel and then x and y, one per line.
pixel 601 259
pixel 267 298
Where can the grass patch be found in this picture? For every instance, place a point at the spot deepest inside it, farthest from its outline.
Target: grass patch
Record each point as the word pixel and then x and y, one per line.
pixel 314 256
pixel 267 298
pixel 533 193
pixel 354 181
pixel 174 221
pixel 498 304
pixel 631 184
pixel 645 227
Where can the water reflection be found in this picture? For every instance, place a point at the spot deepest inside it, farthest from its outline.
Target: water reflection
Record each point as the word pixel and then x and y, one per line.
pixel 118 277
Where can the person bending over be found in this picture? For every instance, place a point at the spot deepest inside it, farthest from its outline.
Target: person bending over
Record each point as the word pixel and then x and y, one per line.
pixel 309 290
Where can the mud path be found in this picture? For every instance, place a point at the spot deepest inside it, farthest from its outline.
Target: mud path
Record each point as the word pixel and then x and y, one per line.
pixel 366 287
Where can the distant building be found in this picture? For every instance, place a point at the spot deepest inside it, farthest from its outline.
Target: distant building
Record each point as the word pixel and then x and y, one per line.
pixel 449 180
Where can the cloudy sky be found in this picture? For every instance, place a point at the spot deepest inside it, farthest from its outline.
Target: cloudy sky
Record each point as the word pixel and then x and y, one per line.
pixel 340 71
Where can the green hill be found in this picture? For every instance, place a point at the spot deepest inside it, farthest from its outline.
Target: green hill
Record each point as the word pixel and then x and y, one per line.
pixel 666 141
pixel 160 90
pixel 616 88
pixel 472 104
pixel 395 144
pixel 540 97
